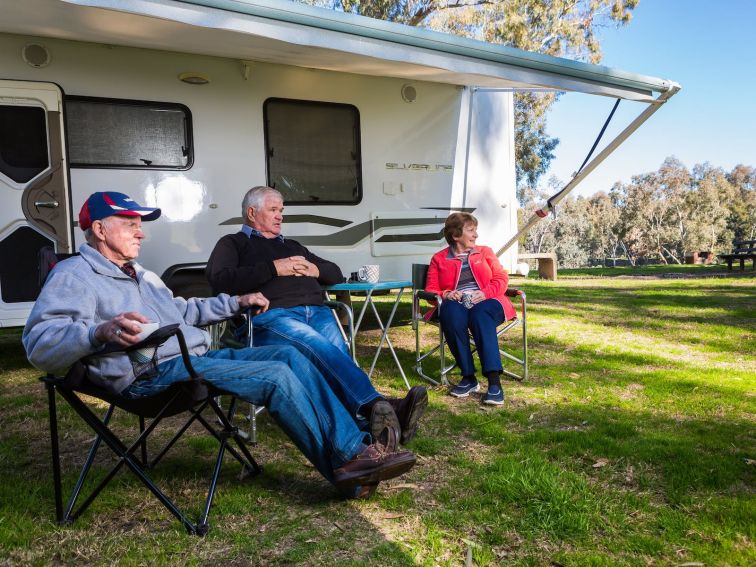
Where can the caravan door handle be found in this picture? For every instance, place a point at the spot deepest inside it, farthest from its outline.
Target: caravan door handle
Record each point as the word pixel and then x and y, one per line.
pixel 47 204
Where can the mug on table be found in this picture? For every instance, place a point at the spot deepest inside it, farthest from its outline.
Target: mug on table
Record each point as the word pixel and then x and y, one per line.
pixel 369 273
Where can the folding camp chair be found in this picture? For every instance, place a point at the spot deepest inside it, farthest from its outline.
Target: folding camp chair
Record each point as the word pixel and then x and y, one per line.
pixel 191 396
pixel 346 324
pixel 419 276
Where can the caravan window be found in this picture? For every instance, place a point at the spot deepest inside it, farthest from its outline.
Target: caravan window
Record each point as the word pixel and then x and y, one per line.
pixel 23 142
pixel 313 151
pixel 127 134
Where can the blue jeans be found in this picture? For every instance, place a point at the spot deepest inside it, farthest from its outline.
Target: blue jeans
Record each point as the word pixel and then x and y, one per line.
pixel 482 320
pixel 313 331
pixel 283 381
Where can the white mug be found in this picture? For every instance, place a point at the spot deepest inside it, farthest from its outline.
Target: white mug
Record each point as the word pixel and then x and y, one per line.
pixel 147 330
pixel 368 273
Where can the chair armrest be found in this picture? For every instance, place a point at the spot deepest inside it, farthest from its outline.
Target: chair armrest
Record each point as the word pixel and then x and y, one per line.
pixel 76 375
pixel 156 338
pixel 427 295
pixel 335 305
pixel 513 292
pixel 244 318
pixel 159 337
pixel 331 304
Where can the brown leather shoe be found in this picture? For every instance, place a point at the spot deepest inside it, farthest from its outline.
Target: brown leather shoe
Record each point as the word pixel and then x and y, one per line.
pixel 382 416
pixel 389 438
pixel 373 465
pixel 409 410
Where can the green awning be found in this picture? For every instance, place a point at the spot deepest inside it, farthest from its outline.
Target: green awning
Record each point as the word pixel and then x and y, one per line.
pixel 296 34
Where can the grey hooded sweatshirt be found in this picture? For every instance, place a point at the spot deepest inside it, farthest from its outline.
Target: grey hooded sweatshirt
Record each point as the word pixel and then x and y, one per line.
pixel 86 290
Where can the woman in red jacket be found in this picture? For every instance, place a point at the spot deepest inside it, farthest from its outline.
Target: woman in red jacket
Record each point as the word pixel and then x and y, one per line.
pixel 471 283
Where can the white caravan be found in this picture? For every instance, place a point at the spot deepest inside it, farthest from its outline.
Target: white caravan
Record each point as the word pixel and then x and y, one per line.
pixel 373 131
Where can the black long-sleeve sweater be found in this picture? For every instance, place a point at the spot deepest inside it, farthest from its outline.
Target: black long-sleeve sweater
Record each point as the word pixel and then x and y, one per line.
pixel 240 264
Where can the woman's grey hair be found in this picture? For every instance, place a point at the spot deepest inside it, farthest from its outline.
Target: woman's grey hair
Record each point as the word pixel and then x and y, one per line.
pixel 255 198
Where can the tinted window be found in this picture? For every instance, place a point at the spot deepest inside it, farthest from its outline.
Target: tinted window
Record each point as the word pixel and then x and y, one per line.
pixel 19 265
pixel 23 142
pixel 128 134
pixel 313 151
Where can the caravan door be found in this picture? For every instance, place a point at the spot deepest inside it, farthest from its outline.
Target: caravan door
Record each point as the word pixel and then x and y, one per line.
pixel 34 195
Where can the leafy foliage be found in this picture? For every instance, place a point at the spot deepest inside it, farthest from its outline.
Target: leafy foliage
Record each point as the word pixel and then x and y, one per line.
pixel 561 28
pixel 665 215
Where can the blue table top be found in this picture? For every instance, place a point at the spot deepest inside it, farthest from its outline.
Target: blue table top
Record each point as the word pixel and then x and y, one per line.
pixel 364 286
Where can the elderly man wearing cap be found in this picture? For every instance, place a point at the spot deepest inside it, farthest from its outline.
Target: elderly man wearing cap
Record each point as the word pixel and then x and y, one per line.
pixel 103 297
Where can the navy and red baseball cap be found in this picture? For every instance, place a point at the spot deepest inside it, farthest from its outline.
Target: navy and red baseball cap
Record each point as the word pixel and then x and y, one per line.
pixel 105 204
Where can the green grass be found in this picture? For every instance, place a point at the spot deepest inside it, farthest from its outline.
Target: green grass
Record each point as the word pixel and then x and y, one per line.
pixel 665 271
pixel 632 443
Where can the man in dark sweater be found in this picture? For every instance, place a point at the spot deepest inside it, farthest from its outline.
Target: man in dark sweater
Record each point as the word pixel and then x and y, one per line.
pixel 260 259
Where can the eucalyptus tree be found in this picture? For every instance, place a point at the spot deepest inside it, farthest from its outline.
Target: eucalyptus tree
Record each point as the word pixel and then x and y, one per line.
pixel 742 219
pixel 603 235
pixel 708 210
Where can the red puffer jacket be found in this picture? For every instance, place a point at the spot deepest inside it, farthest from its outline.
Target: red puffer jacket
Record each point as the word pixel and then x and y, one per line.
pixel 492 278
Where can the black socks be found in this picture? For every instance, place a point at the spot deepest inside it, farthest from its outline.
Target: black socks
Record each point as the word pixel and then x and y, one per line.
pixel 494 378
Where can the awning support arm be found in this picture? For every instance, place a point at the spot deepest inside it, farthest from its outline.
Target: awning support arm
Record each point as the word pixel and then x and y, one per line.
pixel 582 174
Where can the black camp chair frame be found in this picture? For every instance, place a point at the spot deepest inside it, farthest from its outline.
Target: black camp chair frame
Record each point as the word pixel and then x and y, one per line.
pixel 419 274
pixel 193 395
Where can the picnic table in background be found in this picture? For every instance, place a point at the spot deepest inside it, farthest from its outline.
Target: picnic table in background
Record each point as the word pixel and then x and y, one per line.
pixel 741 250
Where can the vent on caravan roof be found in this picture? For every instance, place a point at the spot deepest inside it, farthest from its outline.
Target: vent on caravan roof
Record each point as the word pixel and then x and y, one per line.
pixel 36 55
pixel 194 78
pixel 409 93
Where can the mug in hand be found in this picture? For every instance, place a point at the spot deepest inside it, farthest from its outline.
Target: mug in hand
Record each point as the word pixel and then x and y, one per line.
pixel 368 273
pixel 467 300
pixel 147 330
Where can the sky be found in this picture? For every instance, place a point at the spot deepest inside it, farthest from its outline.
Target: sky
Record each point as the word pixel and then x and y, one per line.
pixel 709 48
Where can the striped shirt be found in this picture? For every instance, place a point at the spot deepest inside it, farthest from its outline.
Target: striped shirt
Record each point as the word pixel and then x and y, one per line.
pixel 466 279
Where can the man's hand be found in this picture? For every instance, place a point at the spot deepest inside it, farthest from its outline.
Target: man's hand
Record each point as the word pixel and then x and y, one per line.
pixel 291 266
pixel 310 269
pixel 121 329
pixel 254 299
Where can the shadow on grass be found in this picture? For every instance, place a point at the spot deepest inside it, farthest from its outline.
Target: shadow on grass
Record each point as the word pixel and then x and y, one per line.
pixel 659 270
pixel 584 462
pixel 287 515
pixel 738 306
pixel 12 356
pixel 636 481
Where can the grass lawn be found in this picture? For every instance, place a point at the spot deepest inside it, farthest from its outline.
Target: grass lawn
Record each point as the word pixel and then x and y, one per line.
pixel 632 443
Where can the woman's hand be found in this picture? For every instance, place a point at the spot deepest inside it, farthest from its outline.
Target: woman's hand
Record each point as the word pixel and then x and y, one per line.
pixel 477 296
pixel 452 295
